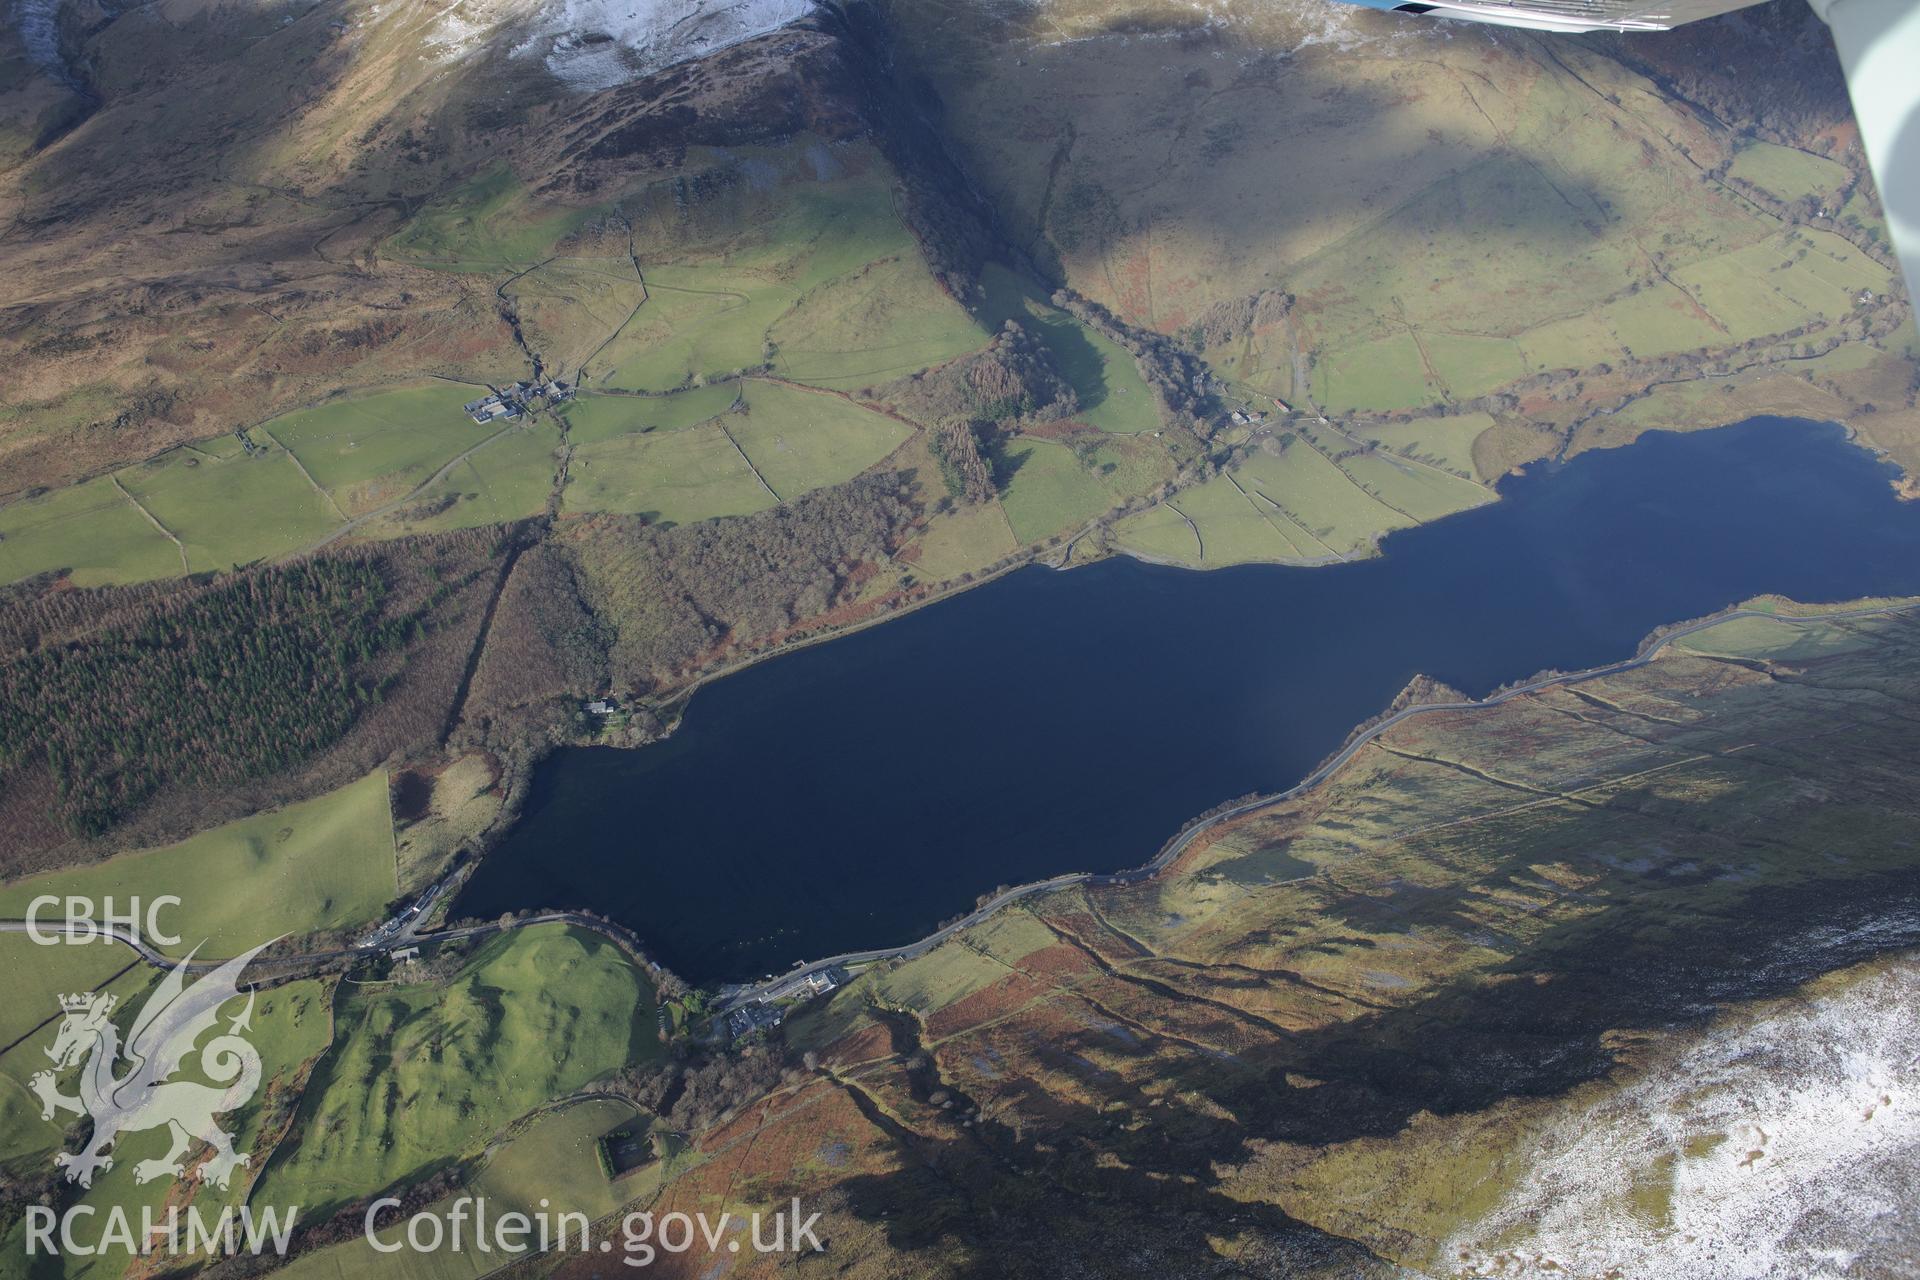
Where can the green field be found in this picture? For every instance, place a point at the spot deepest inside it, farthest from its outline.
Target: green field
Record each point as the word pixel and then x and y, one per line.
pixel 1472 366
pixel 1441 442
pixel 1319 497
pixel 592 419
pixel 555 1157
pixel 964 540
pixel 1299 505
pixel 883 321
pixel 1159 533
pixel 421 1075
pixel 802 440
pixel 1112 394
pixel 1129 464
pixel 370 450
pixel 1235 528
pixel 551 1167
pixel 1660 320
pixel 42 974
pixel 761 248
pixel 1672 406
pixel 697 322
pixel 1421 492
pixel 228 508
pixel 231 511
pixel 1786 173
pixel 288 1027
pixel 1386 373
pixel 980 957
pixel 486 225
pixel 1577 342
pixel 1851 358
pixel 325 863
pixel 570 306
pixel 1049 491
pixel 1587 211
pixel 509 479
pixel 1786 641
pixel 90 529
pixel 680 476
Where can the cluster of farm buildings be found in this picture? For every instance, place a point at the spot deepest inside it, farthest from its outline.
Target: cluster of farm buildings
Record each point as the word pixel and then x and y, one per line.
pixel 516 400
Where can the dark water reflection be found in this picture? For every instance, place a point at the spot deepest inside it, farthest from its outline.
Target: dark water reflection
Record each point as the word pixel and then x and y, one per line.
pixel 854 794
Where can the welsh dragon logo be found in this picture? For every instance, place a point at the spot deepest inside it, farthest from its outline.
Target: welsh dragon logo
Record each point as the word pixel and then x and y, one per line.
pixel 160 1042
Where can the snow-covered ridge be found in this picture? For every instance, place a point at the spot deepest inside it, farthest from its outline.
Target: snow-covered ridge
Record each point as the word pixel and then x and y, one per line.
pixel 1785 1147
pixel 596 44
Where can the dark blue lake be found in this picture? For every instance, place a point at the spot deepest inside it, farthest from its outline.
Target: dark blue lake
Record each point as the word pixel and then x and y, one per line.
pixel 854 794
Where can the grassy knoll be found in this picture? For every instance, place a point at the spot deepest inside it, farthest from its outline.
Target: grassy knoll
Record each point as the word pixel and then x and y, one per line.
pixel 423 1074
pixel 887 319
pixel 1786 173
pixel 90 529
pixel 683 476
pixel 1048 491
pixel 369 450
pixel 233 511
pixel 487 224
pixel 801 440
pixel 592 419
pixel 325 863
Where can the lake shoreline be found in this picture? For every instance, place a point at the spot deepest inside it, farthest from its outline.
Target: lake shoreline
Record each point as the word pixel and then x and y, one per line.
pixel 1060 716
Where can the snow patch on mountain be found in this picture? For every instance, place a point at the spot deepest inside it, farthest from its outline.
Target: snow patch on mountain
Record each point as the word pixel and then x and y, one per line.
pixel 1784 1146
pixel 592 36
